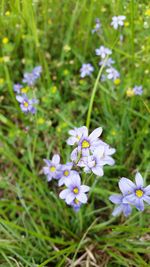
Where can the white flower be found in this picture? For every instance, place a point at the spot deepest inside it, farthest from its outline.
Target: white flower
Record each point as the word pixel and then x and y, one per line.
pixel 113 74
pixel 86 70
pixel 117 21
pixel 103 51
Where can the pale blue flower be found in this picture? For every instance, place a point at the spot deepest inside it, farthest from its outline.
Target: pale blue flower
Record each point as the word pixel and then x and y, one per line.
pixel 26 104
pixel 52 168
pixel 138 90
pixel 120 206
pixel 117 21
pixel 17 88
pixel 112 73
pixel 74 191
pixel 137 193
pixel 103 51
pixel 66 173
pixel 76 135
pixel 86 70
pixel 106 63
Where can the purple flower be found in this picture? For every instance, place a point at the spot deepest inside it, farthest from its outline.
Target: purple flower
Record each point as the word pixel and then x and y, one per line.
pixel 113 74
pixel 26 104
pixel 107 63
pixel 121 207
pixel 138 90
pixel 29 78
pixel 37 71
pixel 76 135
pixel 17 88
pixel 74 191
pixel 137 194
pixel 103 51
pixel 97 26
pixel 100 157
pixel 117 21
pixel 76 204
pixel 86 70
pixel 66 173
pixel 52 168
pixel 89 142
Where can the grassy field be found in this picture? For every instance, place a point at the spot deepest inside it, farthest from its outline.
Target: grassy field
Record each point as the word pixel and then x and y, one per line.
pixel 37 228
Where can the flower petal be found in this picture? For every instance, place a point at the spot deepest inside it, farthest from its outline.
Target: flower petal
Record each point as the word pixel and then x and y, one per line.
pixel 63 194
pixel 127 209
pixel 117 210
pixel 98 171
pixel 139 180
pixel 71 141
pixel 96 133
pixel 82 197
pixel 56 159
pixel 84 188
pixel 70 197
pixel 139 204
pixel 147 199
pixel 116 199
pixel 147 190
pixel 126 186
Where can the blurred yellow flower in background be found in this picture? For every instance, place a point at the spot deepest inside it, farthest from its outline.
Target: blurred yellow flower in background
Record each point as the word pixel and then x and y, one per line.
pixel 1 81
pixel 147 12
pixel 53 89
pixel 117 81
pixel 24 90
pixel 130 92
pixel 5 40
pixel 66 48
pixel 40 121
pixel 7 13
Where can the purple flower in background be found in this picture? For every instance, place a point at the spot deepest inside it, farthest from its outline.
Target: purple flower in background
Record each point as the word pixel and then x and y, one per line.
pixel 103 51
pixel 52 168
pixel 66 173
pixel 76 135
pixel 37 71
pixel 26 104
pixel 31 77
pixel 117 21
pixel 138 90
pixel 106 63
pixel 137 194
pixel 74 191
pixel 89 143
pixel 97 26
pixel 121 207
pixel 86 70
pixel 112 73
pixel 17 88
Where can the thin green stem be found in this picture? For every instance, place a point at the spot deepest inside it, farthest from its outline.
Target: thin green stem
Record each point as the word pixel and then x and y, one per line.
pixel 93 95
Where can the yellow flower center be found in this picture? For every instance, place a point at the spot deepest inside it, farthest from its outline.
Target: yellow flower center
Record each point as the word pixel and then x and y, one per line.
pixel 76 190
pixel 52 169
pixel 139 193
pixel 76 201
pixel 24 90
pixel 66 173
pixel 85 144
pixel 26 104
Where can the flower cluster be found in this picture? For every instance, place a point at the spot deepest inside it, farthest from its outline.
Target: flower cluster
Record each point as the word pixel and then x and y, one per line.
pixel 133 194
pixel 26 104
pixel 91 154
pixel 104 53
